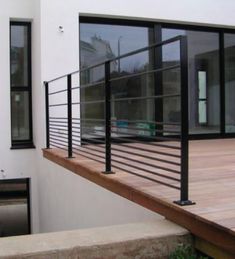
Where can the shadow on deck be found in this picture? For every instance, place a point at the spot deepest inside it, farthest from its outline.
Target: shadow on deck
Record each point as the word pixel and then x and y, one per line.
pixel 212 185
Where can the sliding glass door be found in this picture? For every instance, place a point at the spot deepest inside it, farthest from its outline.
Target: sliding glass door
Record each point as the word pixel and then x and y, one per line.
pixel 211 74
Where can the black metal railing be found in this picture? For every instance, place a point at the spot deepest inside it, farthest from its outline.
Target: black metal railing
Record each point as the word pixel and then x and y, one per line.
pixel 150 149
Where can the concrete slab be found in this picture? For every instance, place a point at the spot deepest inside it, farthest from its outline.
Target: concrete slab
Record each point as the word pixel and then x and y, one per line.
pixel 138 240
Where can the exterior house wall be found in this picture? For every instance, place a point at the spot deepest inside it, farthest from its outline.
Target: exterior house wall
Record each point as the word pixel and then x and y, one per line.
pixel 14 163
pixel 60 55
pixel 63 200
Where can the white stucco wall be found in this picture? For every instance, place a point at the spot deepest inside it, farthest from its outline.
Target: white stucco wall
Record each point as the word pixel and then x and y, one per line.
pixel 14 163
pixel 66 201
pixel 60 55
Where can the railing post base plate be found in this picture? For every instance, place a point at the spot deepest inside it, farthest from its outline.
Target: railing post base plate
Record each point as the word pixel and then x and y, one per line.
pixel 184 203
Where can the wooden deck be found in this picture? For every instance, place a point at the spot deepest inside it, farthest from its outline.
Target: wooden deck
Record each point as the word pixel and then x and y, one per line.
pixel 212 187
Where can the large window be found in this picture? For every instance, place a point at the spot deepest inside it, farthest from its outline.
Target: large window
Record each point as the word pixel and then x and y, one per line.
pixel 20 67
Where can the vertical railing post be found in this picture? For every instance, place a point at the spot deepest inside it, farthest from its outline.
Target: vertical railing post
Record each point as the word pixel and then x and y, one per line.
pixel 184 124
pixel 69 114
pixel 47 114
pixel 108 166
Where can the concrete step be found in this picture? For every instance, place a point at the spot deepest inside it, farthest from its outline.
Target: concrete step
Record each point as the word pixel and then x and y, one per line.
pixel 155 239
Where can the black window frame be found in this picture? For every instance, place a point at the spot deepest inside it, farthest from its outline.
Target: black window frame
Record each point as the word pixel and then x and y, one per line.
pixel 26 143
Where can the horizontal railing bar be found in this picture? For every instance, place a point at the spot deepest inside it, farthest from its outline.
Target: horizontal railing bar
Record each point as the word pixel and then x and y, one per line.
pixel 77 141
pixel 75 87
pixel 78 132
pixel 164 138
pixel 146 143
pixel 58 104
pixel 146 177
pixel 58 139
pixel 146 137
pixel 55 141
pixel 148 157
pixel 147 121
pixel 57 92
pixel 87 142
pixel 145 72
pixel 60 133
pixel 147 150
pixel 78 153
pixel 55 145
pixel 92 134
pixel 137 121
pixel 63 122
pixel 58 125
pixel 91 84
pixel 75 127
pixel 90 102
pixel 148 130
pixel 63 118
pixel 96 150
pixel 102 120
pixel 94 140
pixel 150 165
pixel 87 152
pixel 58 128
pixel 146 170
pixel 144 97
pixel 57 121
pixel 155 45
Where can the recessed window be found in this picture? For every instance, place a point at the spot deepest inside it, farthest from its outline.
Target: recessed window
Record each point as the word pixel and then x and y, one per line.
pixel 20 67
pixel 14 207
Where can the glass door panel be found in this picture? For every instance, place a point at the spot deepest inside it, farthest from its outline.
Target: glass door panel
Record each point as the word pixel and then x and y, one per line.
pixel 203 78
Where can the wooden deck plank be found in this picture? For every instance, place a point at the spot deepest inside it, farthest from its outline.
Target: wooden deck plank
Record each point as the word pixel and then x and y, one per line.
pixel 212 185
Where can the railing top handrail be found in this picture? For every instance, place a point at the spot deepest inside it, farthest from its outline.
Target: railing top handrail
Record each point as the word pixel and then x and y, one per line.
pixel 157 44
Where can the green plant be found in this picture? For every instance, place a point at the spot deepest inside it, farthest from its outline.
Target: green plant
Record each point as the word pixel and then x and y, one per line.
pixel 185 252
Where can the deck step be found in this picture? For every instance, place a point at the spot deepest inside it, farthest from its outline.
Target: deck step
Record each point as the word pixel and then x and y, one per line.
pixel 155 239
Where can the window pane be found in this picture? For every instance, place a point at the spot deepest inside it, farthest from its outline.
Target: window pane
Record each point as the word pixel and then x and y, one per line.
pixel 203 74
pixel 229 52
pixel 100 42
pixel 20 115
pixel 19 55
pixel 14 214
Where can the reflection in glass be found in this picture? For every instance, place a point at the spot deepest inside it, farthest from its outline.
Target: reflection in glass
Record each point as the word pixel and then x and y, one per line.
pixel 20 115
pixel 19 55
pixel 100 42
pixel 203 55
pixel 14 217
pixel 229 52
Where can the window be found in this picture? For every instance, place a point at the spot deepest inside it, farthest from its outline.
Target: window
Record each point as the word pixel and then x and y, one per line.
pixel 20 78
pixel 15 207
